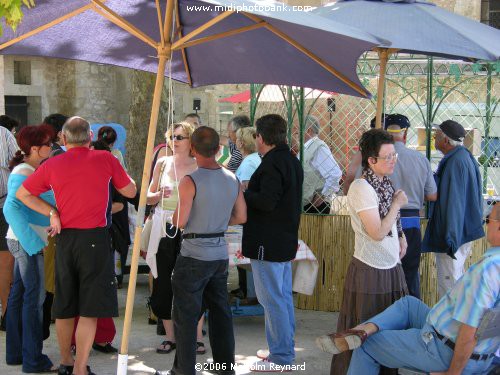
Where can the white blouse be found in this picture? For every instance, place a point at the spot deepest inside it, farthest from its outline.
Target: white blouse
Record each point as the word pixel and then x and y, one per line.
pixel 378 254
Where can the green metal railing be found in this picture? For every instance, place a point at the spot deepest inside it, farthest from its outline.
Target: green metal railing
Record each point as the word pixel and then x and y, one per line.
pixel 425 89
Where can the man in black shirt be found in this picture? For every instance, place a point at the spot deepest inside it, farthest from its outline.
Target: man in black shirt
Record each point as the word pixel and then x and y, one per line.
pixel 270 237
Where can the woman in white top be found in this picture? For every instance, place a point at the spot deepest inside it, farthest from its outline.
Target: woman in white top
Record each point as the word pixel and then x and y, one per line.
pixel 245 143
pixel 165 240
pixel 375 278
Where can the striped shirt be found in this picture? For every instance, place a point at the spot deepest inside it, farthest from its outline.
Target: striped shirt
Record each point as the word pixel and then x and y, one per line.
pixel 8 147
pixel 475 292
pixel 236 157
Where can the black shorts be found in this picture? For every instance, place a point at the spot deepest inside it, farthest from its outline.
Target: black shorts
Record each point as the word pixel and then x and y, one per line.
pixel 85 280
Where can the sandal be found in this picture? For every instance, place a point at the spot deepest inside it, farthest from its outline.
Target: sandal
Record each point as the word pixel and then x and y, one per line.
pixel 51 369
pixel 162 348
pixel 200 348
pixel 336 343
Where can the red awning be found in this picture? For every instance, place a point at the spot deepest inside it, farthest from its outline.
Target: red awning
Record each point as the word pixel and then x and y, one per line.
pixel 242 97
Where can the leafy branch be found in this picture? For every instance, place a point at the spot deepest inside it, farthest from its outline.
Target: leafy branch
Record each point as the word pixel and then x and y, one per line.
pixel 11 11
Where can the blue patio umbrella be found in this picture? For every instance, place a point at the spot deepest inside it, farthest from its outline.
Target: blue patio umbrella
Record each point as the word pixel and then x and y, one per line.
pixel 415 26
pixel 202 42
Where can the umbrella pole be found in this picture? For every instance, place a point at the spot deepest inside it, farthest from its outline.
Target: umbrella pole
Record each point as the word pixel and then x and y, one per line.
pixel 155 109
pixel 383 55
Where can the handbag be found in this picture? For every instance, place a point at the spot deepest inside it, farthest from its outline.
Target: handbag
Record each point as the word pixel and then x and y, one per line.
pixel 148 224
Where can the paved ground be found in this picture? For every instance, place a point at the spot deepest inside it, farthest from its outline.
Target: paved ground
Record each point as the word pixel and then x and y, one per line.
pixel 249 332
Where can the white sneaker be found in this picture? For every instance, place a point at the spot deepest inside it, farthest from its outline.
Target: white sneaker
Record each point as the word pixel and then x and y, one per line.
pixel 262 353
pixel 266 366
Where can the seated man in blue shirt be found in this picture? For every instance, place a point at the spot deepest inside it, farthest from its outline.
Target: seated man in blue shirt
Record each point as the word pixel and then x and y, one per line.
pixel 441 340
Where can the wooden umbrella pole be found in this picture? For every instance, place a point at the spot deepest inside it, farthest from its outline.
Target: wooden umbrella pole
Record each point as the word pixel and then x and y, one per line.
pixel 163 55
pixel 383 55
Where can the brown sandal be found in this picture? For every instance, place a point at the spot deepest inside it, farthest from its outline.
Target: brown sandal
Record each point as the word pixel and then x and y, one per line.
pixel 336 343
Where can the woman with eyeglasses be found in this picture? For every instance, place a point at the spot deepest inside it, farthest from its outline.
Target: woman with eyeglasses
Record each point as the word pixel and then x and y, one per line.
pixel 375 277
pixel 165 241
pixel 27 238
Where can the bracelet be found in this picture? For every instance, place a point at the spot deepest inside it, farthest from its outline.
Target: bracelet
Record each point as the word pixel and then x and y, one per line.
pixel 52 212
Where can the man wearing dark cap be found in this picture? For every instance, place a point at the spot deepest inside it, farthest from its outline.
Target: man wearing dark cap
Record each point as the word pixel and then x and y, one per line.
pixel 455 219
pixel 413 175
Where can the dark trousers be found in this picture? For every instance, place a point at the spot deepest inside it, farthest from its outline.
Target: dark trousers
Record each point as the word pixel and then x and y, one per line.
pixel 192 281
pixel 411 261
pixel 242 280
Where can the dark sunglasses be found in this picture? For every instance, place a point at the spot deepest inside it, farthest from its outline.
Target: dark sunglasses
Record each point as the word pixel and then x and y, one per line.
pixel 487 220
pixel 48 144
pixel 178 137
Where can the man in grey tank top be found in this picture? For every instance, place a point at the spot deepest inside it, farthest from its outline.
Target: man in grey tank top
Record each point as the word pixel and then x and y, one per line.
pixel 210 199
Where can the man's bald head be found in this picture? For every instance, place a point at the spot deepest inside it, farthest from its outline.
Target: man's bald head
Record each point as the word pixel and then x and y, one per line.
pixel 76 131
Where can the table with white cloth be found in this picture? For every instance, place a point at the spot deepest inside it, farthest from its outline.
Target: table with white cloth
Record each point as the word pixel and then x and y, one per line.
pixel 305 264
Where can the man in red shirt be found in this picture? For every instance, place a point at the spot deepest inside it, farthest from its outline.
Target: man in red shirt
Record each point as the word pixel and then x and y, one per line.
pixel 85 286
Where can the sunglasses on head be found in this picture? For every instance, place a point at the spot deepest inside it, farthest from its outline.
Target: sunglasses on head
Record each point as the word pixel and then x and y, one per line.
pixel 178 137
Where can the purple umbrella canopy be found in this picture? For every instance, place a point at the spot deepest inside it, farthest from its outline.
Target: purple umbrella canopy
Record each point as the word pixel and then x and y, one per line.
pixel 417 26
pixel 257 55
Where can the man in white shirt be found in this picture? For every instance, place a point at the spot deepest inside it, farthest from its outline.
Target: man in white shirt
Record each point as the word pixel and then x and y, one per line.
pixel 321 172
pixel 8 147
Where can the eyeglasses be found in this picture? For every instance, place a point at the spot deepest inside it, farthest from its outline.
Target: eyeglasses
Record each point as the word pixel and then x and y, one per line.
pixel 487 220
pixel 48 144
pixel 178 137
pixel 388 158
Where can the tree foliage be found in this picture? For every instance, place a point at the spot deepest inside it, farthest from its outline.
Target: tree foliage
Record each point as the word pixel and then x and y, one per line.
pixel 11 11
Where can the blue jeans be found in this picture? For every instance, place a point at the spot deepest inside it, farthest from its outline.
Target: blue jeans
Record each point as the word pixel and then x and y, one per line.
pixel 273 286
pixel 405 340
pixel 195 281
pixel 25 314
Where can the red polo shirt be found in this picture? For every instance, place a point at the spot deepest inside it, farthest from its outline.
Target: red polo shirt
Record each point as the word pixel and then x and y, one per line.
pixel 80 179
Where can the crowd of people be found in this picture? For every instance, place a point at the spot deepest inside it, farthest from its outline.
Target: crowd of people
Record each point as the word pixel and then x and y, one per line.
pixel 64 223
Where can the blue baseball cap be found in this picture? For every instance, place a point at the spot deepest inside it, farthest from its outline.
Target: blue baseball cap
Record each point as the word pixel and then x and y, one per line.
pixel 393 119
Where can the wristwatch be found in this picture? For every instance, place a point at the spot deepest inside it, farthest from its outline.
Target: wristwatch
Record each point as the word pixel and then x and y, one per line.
pixel 52 212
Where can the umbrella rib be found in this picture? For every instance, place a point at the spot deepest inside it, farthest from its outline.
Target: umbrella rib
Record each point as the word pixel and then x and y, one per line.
pixel 107 13
pixel 201 29
pixel 179 32
pixel 219 36
pixel 169 16
pixel 160 24
pixel 309 54
pixel 46 26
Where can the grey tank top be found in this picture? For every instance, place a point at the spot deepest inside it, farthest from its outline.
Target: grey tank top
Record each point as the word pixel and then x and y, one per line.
pixel 216 193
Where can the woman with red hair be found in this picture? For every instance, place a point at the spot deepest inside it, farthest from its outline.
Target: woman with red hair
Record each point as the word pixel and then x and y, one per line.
pixel 26 239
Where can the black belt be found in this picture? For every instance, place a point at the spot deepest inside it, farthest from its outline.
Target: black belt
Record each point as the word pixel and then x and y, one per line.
pixel 450 344
pixel 202 235
pixel 410 212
